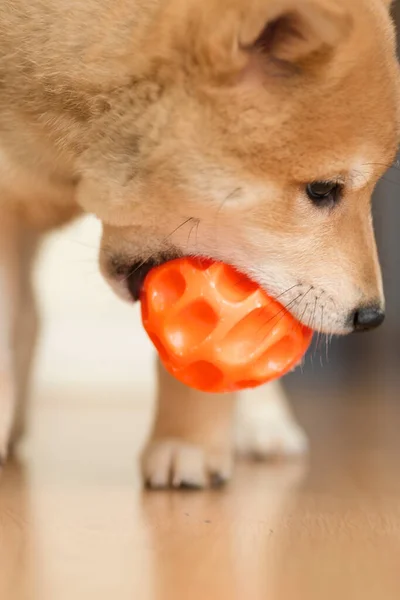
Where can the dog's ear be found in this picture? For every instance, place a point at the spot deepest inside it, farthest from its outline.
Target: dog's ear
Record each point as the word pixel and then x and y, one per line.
pixel 226 34
pixel 296 29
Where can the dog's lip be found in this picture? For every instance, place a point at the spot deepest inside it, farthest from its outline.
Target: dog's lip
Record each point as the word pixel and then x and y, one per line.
pixel 137 272
pixel 136 278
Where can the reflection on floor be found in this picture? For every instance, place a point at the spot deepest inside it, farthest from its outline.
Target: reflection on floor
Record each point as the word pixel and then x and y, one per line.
pixel 75 523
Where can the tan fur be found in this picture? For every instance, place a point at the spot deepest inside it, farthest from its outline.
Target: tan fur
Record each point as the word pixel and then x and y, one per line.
pixel 165 120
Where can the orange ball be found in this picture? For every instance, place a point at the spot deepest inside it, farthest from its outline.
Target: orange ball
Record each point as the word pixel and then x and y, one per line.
pixel 216 330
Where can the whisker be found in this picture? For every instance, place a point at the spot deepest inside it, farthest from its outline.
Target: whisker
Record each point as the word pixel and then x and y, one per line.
pixel 83 244
pixel 304 311
pixel 240 279
pixel 228 197
pixel 311 322
pixel 197 232
pixel 283 310
pixel 321 329
pixel 161 243
pixel 195 222
pixel 394 165
pixel 304 297
pixel 327 349
pixel 288 290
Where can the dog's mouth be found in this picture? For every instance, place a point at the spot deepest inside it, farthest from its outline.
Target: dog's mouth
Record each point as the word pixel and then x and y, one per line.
pixel 137 271
pixel 127 277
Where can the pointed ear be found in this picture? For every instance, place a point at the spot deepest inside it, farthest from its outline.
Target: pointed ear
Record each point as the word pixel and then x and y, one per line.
pixel 219 38
pixel 225 34
pixel 296 29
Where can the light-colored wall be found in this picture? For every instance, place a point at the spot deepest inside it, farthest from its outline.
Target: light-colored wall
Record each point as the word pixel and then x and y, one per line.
pixel 89 336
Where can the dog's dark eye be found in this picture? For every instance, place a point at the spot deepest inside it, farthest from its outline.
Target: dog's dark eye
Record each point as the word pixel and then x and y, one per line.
pixel 324 193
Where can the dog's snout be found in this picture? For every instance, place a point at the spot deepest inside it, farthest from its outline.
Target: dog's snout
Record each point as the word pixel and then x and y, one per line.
pixel 365 318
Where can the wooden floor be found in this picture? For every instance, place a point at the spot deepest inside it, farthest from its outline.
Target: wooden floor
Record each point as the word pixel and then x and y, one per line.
pixel 76 525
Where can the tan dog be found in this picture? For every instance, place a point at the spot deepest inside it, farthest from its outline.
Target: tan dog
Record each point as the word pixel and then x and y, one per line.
pixel 249 131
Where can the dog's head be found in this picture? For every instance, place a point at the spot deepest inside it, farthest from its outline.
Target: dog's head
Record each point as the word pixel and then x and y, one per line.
pixel 252 132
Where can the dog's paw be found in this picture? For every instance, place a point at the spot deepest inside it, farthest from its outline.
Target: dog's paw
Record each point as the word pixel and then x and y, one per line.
pixel 267 429
pixel 268 438
pixel 173 463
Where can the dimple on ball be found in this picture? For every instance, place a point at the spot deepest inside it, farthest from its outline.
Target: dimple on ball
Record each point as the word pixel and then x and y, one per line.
pixel 216 330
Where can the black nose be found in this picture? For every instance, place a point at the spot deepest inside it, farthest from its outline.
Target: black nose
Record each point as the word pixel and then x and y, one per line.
pixel 368 317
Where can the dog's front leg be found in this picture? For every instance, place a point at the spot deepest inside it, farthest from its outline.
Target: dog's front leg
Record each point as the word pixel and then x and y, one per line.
pixel 9 301
pixel 265 425
pixel 17 327
pixel 191 445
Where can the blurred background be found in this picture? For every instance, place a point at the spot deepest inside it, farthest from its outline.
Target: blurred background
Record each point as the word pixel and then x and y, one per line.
pixel 88 336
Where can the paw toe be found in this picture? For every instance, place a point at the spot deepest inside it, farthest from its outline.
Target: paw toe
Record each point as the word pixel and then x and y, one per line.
pixel 179 465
